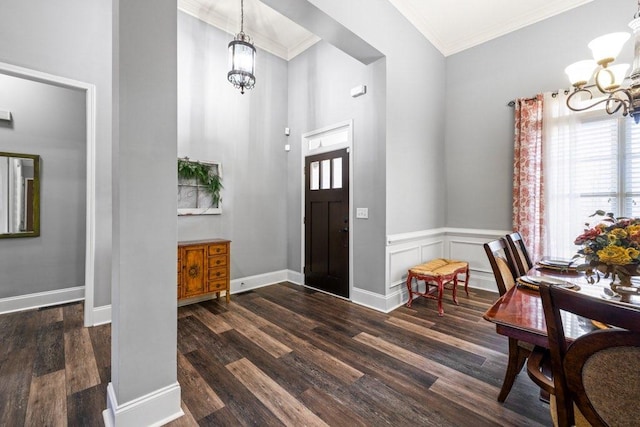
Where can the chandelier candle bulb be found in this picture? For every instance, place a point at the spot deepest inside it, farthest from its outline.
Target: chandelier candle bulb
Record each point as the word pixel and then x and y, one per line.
pixel 580 72
pixel 606 48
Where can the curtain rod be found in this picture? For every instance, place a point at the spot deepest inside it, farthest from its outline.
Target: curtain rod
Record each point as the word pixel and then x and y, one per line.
pixel 512 103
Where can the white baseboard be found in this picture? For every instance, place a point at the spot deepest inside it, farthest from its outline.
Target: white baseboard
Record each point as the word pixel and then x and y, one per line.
pixel 295 277
pixel 258 281
pixel 154 409
pixel 41 299
pixel 377 301
pixel 101 315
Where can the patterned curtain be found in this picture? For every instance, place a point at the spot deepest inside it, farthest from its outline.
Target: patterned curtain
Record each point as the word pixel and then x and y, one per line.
pixel 528 183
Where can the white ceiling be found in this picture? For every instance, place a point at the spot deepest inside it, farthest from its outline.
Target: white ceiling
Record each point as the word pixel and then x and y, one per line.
pixel 450 25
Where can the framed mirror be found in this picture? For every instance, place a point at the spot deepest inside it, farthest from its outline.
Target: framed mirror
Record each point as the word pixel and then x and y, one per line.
pixel 19 195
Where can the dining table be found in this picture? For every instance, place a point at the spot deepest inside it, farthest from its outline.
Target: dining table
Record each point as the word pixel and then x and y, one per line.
pixel 519 314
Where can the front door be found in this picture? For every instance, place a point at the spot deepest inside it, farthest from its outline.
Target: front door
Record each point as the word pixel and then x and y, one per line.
pixel 326 217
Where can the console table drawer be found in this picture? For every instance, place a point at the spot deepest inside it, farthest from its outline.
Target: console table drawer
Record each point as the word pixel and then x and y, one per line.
pixel 217 261
pixel 217 273
pixel 217 286
pixel 217 249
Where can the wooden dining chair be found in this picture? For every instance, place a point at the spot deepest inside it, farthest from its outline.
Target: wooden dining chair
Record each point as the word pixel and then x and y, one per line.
pixel 596 378
pixel 520 253
pixel 501 261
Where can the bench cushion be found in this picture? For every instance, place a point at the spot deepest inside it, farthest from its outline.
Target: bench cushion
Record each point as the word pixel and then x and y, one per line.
pixel 439 267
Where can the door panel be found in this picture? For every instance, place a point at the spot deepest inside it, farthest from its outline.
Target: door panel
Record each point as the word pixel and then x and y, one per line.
pixel 194 281
pixel 327 222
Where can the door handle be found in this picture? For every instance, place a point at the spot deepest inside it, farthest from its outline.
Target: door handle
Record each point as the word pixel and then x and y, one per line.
pixel 344 230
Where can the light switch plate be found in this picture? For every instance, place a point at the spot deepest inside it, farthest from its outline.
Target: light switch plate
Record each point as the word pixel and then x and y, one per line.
pixel 362 213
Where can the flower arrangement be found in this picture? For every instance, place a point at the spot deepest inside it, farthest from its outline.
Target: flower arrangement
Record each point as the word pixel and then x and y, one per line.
pixel 612 247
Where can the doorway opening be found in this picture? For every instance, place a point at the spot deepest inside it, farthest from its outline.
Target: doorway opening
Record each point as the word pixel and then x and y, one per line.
pixel 90 117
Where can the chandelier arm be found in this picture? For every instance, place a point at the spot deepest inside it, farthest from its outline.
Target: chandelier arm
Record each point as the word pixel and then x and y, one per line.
pixel 609 101
pixel 618 103
pixel 597 78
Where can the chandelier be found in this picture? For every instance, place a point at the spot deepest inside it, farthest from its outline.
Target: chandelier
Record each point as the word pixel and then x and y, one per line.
pixel 608 79
pixel 242 58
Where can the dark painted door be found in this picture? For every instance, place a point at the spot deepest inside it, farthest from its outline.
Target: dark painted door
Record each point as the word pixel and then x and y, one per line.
pixel 327 222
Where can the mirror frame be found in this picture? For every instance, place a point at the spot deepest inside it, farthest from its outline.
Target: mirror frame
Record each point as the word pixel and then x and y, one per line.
pixel 36 196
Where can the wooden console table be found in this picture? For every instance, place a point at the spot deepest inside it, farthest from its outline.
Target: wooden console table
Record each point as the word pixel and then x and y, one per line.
pixel 203 268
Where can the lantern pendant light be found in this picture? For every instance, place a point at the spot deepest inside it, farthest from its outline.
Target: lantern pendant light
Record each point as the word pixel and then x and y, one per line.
pixel 242 58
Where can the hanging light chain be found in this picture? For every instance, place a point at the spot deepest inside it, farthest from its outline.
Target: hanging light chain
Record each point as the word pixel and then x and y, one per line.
pixel 242 15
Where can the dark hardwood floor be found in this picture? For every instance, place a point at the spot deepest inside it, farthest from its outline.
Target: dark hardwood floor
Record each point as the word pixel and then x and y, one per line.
pixel 280 355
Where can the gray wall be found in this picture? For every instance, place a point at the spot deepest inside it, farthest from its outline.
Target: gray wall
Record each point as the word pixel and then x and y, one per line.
pixel 243 132
pixel 482 80
pixel 415 94
pixel 320 80
pixel 71 38
pixel 48 121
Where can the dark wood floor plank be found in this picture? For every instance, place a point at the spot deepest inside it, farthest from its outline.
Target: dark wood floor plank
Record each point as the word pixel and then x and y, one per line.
pixel 50 349
pixel 332 365
pixel 399 376
pixel 242 405
pixel 85 407
pixel 277 312
pixel 283 405
pixel 287 375
pixel 80 363
pixel 50 315
pixel 17 367
pixel 213 322
pixel 101 343
pixel 484 405
pixel 196 393
pixel 458 381
pixel 447 339
pixel 246 328
pixel 73 316
pixel 47 400
pixel 331 410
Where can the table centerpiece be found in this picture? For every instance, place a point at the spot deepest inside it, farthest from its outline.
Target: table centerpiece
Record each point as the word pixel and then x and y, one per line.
pixel 611 249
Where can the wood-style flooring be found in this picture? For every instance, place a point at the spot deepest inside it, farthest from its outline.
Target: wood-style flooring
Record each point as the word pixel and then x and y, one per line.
pixel 280 355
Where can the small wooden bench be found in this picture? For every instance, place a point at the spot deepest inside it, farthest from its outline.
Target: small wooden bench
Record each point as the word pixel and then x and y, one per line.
pixel 438 273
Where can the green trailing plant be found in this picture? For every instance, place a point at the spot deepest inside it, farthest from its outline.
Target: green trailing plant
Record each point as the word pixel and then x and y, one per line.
pixel 204 175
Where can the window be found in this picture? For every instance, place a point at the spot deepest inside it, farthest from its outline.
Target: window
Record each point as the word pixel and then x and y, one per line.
pixel 592 162
pixel 199 186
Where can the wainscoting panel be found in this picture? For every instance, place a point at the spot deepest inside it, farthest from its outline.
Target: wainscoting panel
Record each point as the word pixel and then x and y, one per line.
pixel 472 252
pixel 398 261
pixel 456 243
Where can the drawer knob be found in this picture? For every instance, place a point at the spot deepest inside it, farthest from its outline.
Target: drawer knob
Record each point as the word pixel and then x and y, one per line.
pixel 218 262
pixel 218 274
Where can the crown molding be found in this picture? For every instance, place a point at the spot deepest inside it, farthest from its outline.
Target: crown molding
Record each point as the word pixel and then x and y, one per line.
pixel 199 10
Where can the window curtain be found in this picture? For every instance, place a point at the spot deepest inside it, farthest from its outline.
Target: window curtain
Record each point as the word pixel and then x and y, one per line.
pixel 528 182
pixel 561 137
